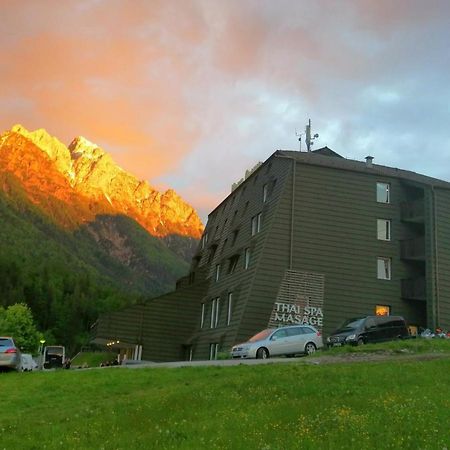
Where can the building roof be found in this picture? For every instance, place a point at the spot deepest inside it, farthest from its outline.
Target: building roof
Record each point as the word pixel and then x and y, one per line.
pixel 326 157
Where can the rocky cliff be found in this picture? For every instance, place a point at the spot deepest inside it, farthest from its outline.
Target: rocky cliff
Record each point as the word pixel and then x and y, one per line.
pixel 74 184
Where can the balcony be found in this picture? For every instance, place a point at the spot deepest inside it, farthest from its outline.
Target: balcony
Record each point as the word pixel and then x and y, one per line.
pixel 413 211
pixel 413 249
pixel 414 289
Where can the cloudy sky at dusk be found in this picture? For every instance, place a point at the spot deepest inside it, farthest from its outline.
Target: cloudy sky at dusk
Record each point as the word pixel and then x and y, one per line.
pixel 188 94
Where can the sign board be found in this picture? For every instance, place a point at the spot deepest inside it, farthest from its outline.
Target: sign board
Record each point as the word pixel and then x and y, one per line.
pixel 299 300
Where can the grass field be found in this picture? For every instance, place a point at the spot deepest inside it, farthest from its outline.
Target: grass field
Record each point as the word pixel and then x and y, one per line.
pixel 399 405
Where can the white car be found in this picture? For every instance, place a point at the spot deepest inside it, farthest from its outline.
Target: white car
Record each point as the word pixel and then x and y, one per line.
pixel 28 363
pixel 288 341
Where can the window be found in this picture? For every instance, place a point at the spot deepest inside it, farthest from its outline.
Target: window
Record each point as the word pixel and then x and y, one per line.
pixel 212 253
pixel 383 193
pixel 247 258
pixel 278 335
pixel 256 224
pixel 202 319
pixel 235 235
pixel 230 307
pixel 213 350
pixel 384 268
pixel 383 229
pixel 382 310
pixel 245 208
pixel 217 273
pixel 204 240
pixel 265 192
pixel 214 319
pixel 294 331
pixel 233 263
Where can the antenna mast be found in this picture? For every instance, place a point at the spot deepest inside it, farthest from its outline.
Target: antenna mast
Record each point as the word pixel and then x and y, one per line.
pixel 308 138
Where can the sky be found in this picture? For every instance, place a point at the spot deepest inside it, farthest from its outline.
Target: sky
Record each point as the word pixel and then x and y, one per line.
pixel 188 94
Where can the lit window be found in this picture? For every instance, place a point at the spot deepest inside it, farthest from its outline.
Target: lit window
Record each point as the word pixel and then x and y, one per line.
pixel 382 310
pixel 202 319
pixel 383 229
pixel 383 193
pixel 233 263
pixel 247 258
pixel 217 274
pixel 230 307
pixel 384 268
pixel 256 224
pixel 265 192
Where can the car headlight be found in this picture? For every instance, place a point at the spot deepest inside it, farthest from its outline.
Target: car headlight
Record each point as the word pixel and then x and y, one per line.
pixel 351 337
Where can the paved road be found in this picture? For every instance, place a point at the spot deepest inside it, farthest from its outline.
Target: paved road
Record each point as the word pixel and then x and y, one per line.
pixel 224 362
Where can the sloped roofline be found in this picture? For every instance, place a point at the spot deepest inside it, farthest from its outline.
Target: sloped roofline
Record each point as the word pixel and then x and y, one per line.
pixel 317 159
pixel 325 157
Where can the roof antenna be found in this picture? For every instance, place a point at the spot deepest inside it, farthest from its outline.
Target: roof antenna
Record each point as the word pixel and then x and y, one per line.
pixel 309 139
pixel 299 135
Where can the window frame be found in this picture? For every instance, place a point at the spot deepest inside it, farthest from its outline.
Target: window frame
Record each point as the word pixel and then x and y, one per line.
pixel 265 193
pixel 233 262
pixel 383 307
pixel 215 312
pixel 229 307
pixel 247 257
pixel 381 270
pixel 384 228
pixel 202 317
pixel 383 195
pixel 256 224
pixel 217 273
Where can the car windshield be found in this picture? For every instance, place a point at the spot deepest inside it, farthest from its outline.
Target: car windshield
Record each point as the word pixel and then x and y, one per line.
pixel 260 336
pixel 351 324
pixel 55 351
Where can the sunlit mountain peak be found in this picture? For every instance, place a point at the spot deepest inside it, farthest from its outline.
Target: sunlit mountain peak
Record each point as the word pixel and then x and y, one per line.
pixel 81 146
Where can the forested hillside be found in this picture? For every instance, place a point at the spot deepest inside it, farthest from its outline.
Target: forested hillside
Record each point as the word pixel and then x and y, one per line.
pixel 79 236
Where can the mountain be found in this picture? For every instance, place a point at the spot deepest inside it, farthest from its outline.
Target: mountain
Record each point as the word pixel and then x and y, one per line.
pixel 80 236
pixel 86 171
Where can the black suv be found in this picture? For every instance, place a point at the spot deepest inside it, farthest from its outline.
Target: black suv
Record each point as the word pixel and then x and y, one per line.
pixel 364 330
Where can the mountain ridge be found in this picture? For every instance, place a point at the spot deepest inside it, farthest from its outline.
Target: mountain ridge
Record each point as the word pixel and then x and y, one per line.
pixel 92 173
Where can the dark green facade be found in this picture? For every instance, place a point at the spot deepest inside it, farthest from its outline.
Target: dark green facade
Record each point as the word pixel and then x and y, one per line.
pixel 299 241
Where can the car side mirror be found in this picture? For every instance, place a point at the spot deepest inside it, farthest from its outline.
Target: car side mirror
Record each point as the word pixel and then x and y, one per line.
pixel 274 338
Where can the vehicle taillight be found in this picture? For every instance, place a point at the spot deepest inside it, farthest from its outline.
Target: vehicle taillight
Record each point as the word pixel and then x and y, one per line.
pixel 11 350
pixel 319 333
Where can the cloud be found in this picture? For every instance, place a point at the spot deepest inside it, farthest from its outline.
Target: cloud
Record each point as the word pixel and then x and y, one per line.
pixel 190 94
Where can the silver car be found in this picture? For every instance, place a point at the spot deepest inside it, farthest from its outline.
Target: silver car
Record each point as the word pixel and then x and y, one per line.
pixel 10 356
pixel 288 341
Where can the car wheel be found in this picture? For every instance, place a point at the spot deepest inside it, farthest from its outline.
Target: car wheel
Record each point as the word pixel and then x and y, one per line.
pixel 310 348
pixel 360 341
pixel 262 353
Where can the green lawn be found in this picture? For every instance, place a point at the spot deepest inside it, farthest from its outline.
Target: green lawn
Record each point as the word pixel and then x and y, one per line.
pixel 92 359
pixel 399 405
pixel 403 346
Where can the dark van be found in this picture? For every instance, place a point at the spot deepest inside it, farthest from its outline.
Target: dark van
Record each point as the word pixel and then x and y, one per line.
pixel 365 330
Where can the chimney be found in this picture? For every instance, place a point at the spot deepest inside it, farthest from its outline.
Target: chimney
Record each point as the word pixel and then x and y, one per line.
pixel 369 160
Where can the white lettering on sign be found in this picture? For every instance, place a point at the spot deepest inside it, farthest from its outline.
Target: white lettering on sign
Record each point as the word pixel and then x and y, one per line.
pixel 288 313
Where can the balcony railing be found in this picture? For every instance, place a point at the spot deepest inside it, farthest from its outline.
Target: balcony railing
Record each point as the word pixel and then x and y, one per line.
pixel 414 289
pixel 413 249
pixel 413 211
